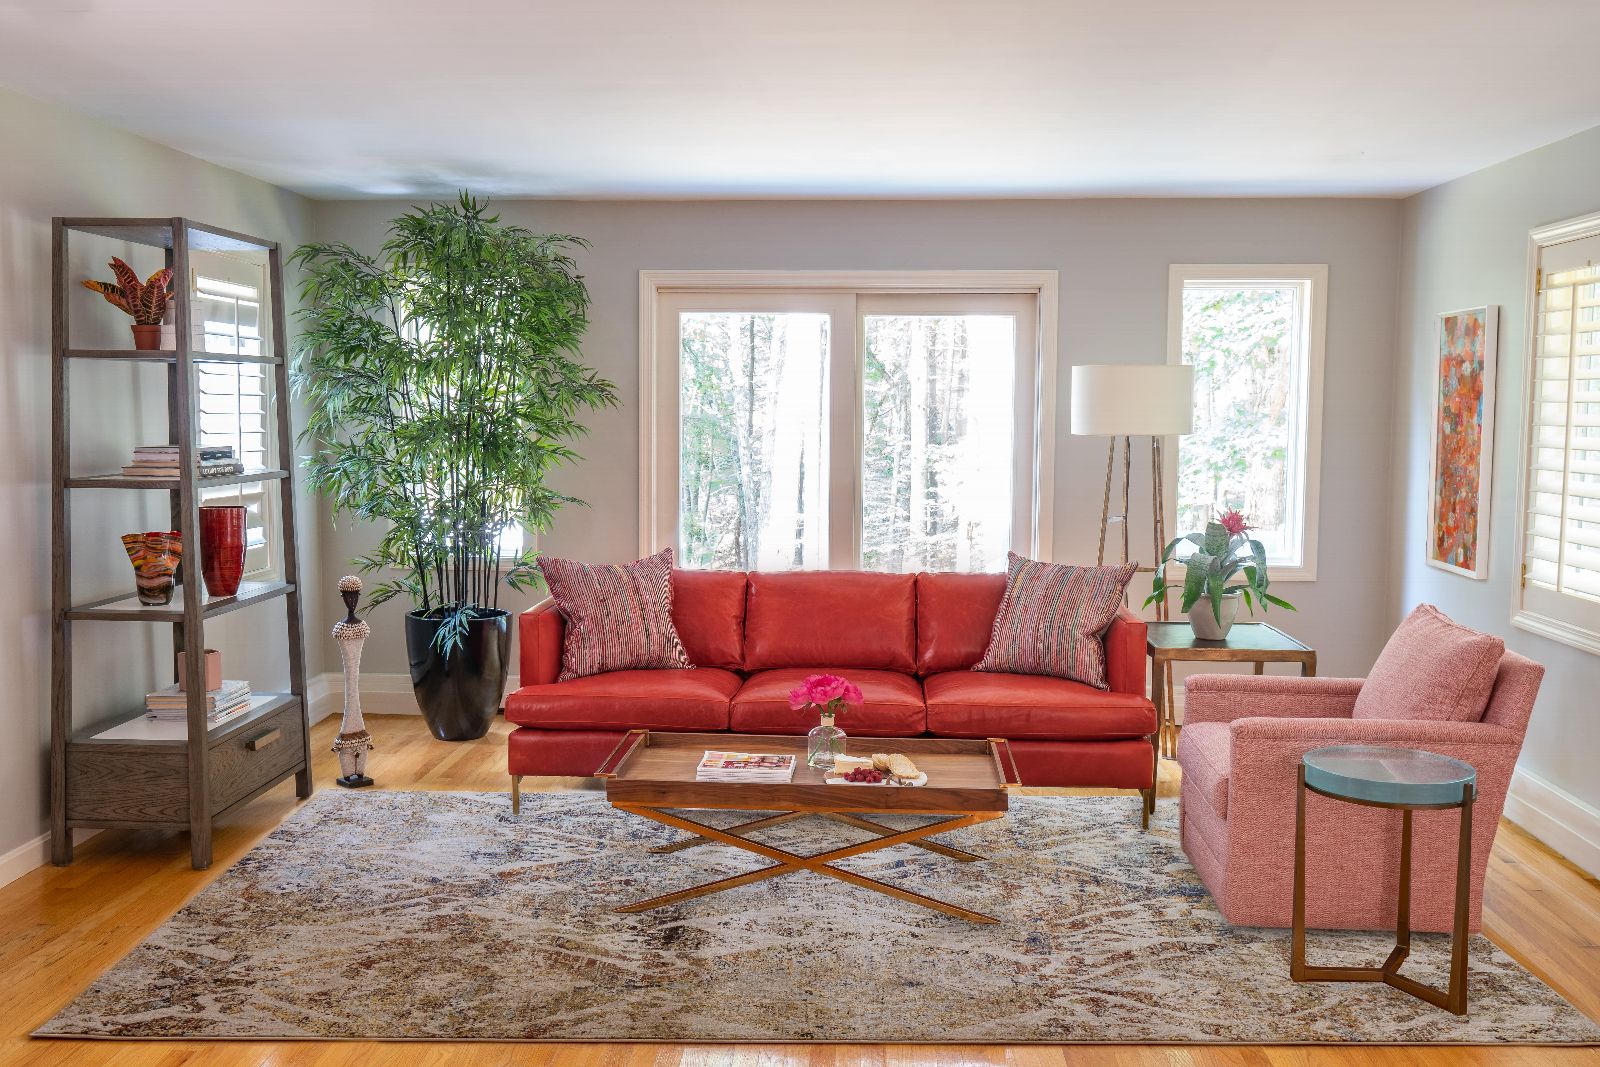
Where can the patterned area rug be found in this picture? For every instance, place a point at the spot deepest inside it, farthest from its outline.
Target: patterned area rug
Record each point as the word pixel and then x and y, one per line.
pixel 395 915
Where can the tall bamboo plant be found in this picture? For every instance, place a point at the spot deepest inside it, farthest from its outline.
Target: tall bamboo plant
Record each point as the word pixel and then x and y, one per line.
pixel 443 384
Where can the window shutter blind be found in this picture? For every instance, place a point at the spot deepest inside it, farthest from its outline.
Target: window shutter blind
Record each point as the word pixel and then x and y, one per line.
pixel 232 399
pixel 1561 566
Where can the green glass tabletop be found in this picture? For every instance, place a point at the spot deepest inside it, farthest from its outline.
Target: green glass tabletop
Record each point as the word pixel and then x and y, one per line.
pixel 1384 775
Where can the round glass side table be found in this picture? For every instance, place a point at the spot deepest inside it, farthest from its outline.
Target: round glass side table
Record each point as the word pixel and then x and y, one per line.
pixel 1408 780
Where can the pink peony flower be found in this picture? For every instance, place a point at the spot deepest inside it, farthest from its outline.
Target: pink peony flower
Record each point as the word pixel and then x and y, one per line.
pixel 823 690
pixel 1233 521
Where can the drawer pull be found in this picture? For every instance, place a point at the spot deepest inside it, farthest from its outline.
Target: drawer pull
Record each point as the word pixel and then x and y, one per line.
pixel 256 744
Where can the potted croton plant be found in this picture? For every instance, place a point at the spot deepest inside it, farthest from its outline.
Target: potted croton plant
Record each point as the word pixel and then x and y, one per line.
pixel 145 301
pixel 1222 554
pixel 443 385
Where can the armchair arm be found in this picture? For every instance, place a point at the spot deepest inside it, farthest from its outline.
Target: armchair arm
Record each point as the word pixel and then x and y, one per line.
pixel 1430 734
pixel 1227 697
pixel 541 629
pixel 1125 641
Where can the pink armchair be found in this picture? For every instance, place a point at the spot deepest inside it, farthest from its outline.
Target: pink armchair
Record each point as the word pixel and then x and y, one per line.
pixel 1241 743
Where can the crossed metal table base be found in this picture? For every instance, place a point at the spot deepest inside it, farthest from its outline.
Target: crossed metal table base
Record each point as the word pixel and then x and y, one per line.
pixel 819 863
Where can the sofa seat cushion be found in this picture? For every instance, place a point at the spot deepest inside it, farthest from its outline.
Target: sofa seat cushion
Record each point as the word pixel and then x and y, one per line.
pixel 628 700
pixel 1031 706
pixel 1205 750
pixel 892 707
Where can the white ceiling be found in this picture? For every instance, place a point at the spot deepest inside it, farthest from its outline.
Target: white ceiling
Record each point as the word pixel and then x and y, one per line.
pixel 823 98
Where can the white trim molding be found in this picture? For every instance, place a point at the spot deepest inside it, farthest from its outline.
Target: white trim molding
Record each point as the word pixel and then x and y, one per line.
pixel 1550 621
pixel 31 855
pixel 1556 817
pixel 1314 278
pixel 381 694
pixel 1041 285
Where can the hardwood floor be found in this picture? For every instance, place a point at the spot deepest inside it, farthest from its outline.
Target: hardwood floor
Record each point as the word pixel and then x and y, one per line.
pixel 60 927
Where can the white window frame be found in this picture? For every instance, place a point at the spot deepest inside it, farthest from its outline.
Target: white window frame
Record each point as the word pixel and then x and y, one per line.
pixel 1313 279
pixel 658 434
pixel 1523 617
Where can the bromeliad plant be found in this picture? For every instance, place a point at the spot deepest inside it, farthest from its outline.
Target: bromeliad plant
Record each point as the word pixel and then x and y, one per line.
pixel 1221 553
pixel 145 301
pixel 443 386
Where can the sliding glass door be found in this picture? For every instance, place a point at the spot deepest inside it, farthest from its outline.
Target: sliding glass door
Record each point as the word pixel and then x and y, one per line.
pixel 807 430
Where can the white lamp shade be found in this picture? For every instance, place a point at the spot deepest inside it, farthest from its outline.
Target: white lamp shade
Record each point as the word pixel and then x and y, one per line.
pixel 1137 400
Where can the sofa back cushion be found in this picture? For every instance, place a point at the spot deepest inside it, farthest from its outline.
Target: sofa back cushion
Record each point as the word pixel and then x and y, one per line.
pixel 836 619
pixel 955 616
pixel 1432 668
pixel 708 609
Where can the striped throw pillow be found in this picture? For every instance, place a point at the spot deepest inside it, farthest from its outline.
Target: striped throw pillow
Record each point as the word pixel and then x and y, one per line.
pixel 619 615
pixel 1053 618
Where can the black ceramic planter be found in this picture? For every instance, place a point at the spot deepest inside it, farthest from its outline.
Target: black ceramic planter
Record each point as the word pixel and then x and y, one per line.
pixel 459 695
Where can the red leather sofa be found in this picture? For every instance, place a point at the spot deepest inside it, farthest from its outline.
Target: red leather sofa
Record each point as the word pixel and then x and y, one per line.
pixel 907 640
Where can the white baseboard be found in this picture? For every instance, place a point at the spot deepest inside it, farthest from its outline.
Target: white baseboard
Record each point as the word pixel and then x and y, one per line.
pixel 33 854
pixel 381 694
pixel 1556 817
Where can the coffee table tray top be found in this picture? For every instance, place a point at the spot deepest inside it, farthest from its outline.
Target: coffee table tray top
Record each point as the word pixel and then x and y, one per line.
pixel 658 770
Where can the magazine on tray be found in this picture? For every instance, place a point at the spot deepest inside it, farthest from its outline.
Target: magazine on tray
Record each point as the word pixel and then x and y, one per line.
pixel 722 766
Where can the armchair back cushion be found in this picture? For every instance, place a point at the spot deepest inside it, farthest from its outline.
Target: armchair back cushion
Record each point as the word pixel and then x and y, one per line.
pixel 708 610
pixel 955 616
pixel 1432 668
pixel 838 619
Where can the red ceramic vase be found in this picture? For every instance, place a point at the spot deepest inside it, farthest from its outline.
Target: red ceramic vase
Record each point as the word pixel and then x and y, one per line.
pixel 222 548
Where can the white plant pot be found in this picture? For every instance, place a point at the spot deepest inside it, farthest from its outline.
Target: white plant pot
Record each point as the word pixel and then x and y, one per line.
pixel 1205 624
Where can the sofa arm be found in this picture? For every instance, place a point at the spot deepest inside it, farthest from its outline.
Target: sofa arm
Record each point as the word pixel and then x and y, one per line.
pixel 1226 697
pixel 1125 644
pixel 541 629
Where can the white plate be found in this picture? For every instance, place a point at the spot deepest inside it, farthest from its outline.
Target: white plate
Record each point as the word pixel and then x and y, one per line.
pixel 920 779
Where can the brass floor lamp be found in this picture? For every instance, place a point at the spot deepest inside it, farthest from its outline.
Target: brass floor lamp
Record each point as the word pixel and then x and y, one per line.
pixel 1154 400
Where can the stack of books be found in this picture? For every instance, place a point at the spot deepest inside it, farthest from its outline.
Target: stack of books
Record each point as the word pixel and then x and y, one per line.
pixel 744 767
pixel 163 461
pixel 172 704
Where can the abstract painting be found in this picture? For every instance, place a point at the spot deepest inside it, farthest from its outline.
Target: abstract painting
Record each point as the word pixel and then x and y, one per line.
pixel 1463 442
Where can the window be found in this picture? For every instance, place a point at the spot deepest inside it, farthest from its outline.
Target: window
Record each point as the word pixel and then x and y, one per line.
pixel 889 424
pixel 233 397
pixel 1254 336
pixel 1559 594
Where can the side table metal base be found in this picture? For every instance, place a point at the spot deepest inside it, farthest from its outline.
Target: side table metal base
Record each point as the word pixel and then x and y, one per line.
pixel 1453 999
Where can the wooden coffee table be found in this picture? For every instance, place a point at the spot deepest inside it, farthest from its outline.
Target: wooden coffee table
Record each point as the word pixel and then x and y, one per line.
pixel 967 781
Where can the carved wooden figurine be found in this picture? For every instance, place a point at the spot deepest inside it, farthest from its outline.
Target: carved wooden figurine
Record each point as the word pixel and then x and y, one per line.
pixel 353 742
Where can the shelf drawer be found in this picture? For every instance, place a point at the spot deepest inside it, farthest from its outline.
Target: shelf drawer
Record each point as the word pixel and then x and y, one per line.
pixel 260 753
pixel 128 785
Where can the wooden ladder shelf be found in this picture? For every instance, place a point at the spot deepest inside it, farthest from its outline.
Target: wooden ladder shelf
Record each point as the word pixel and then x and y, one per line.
pixel 130 776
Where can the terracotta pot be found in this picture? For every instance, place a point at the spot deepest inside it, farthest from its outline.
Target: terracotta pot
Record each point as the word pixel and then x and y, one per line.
pixel 147 338
pixel 222 548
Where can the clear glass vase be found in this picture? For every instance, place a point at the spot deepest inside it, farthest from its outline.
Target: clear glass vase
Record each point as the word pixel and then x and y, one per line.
pixel 824 744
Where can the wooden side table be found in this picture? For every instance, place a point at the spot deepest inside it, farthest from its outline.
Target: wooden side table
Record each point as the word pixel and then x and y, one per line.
pixel 1248 642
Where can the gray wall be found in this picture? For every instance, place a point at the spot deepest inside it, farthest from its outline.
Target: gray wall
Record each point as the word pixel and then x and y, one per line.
pixel 1112 256
pixel 1466 244
pixel 59 163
